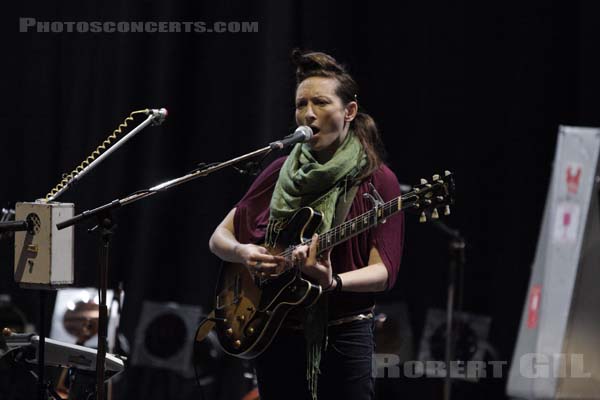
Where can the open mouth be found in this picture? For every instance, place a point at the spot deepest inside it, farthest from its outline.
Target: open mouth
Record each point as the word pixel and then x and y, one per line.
pixel 315 129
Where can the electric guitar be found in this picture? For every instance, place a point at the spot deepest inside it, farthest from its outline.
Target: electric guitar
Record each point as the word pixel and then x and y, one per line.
pixel 249 308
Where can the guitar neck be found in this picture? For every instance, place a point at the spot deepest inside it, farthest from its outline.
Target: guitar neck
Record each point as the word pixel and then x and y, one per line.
pixel 359 224
pixel 425 198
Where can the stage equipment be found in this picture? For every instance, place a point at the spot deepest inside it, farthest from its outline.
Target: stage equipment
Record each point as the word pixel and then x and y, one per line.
pixel 557 354
pixel 26 348
pixel 469 341
pixel 104 229
pixel 60 354
pixel 76 316
pixel 456 254
pixel 12 317
pixel 164 337
pixel 155 117
pixel 6 215
pixel 43 254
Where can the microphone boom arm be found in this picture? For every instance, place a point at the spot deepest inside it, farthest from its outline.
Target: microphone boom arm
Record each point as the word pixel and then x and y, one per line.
pixel 162 187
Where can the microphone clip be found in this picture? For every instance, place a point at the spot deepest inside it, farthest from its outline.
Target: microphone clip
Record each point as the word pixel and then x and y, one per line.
pixel 158 115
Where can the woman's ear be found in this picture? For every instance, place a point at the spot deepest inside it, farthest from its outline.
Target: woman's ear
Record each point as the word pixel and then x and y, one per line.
pixel 351 111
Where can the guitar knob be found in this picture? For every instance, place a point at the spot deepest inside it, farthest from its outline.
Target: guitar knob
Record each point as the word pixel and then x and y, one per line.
pixel 250 330
pixel 423 217
pixel 241 317
pixel 434 214
pixel 447 210
pixel 237 344
pixel 229 332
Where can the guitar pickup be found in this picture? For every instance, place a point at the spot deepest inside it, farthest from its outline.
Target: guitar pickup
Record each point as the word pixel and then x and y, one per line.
pixel 236 289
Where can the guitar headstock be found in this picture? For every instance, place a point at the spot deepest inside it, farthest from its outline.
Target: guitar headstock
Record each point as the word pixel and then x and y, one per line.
pixel 431 198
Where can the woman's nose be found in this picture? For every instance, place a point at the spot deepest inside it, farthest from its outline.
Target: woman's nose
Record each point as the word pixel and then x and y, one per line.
pixel 309 116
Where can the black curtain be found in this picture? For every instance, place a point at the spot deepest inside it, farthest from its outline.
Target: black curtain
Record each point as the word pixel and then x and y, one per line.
pixel 478 88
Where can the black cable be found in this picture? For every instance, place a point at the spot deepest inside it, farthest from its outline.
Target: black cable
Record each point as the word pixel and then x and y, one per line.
pixel 194 358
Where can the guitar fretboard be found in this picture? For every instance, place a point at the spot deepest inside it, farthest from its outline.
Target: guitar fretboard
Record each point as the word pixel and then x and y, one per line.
pixel 358 224
pixel 424 197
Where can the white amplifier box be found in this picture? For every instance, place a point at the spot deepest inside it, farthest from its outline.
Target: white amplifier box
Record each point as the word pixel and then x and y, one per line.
pixel 44 254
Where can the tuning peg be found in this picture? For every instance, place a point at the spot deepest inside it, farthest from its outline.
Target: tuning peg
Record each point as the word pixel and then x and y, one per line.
pixel 427 201
pixel 447 210
pixel 447 173
pixel 423 217
pixel 436 177
pixel 439 198
pixel 423 181
pixel 434 214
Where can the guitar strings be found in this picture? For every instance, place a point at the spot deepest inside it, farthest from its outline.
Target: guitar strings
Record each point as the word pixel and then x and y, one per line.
pixel 368 215
pixel 386 207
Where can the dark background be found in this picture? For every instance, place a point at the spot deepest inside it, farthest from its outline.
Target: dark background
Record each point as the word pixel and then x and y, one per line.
pixel 478 88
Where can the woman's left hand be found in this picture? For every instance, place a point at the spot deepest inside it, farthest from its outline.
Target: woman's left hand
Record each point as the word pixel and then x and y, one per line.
pixel 318 268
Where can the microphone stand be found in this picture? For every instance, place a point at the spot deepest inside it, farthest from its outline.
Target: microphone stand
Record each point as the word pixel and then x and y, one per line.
pixel 456 249
pixel 106 228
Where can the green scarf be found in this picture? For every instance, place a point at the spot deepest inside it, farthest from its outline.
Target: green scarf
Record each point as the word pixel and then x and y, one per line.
pixel 304 182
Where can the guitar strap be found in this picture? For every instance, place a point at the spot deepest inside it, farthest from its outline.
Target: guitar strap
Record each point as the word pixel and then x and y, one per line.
pixel 343 206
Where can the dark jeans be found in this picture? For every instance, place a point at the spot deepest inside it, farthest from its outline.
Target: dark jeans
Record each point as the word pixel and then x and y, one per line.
pixel 345 366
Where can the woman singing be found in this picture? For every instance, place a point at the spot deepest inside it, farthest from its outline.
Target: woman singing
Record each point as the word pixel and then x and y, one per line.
pixel 326 350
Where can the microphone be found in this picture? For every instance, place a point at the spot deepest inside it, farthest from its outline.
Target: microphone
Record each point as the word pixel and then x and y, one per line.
pixel 159 115
pixel 302 134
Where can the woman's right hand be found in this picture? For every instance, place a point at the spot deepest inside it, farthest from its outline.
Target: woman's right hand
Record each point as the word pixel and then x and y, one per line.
pixel 257 259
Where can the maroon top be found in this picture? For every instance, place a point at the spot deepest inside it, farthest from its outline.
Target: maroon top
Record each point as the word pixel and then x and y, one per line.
pixel 252 216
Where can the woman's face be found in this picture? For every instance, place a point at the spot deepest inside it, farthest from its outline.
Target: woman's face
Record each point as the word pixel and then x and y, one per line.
pixel 318 106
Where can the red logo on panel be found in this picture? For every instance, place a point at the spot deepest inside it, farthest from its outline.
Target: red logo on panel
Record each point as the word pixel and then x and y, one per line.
pixel 534 306
pixel 573 176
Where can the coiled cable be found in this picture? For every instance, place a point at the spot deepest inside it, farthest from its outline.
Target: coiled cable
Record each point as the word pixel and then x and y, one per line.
pixel 66 178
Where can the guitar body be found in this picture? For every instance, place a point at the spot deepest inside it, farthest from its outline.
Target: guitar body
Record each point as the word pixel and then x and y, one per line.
pixel 249 311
